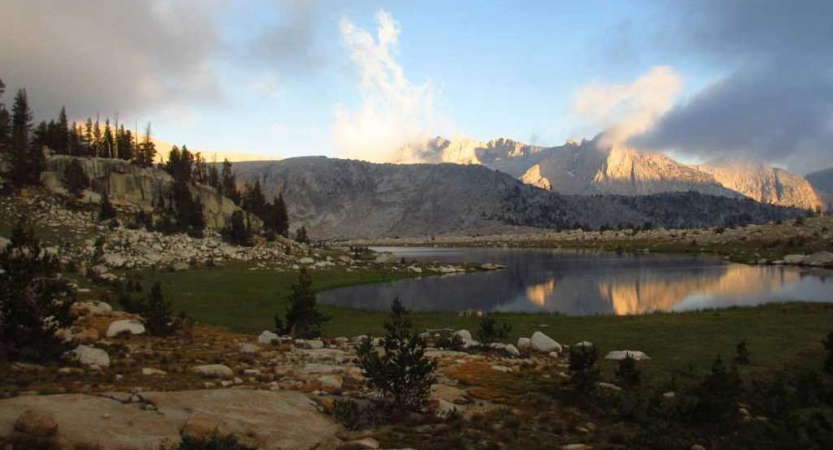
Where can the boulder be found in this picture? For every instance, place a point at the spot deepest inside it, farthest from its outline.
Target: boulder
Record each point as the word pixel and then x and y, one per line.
pixel 306 261
pixel 36 423
pixel 540 342
pixel 150 371
pixel 618 355
pixel 512 351
pixel 819 259
pixel 91 308
pixel 248 348
pixel 90 356
pixel 524 344
pixel 213 371
pixel 126 326
pixel 330 383
pixel 794 259
pixel 464 334
pixel 268 337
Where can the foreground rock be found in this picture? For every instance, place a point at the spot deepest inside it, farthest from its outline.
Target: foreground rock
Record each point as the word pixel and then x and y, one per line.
pixel 213 371
pixel 270 420
pixel 540 342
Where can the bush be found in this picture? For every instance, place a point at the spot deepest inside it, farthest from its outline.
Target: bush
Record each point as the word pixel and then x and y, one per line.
pixel 489 331
pixel 303 320
pixel 453 342
pixel 584 370
pixel 717 396
pixel 347 413
pixel 742 353
pixel 106 211
pixel 34 302
pixel 628 373
pixel 402 374
pixel 301 235
pixel 828 345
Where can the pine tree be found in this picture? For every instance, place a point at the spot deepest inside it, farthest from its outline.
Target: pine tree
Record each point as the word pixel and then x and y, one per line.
pixel 229 184
pixel 107 140
pixel 34 301
pixel 584 370
pixel 236 232
pixel 281 217
pixel 401 373
pixel 159 314
pixel 62 140
pixel 27 161
pixel 73 141
pixel 303 320
pixel 75 179
pixel 146 153
pixel 88 137
pixel 106 211
pixel 301 235
pixel 254 201
pixel 214 178
pixel 97 138
pixel 5 122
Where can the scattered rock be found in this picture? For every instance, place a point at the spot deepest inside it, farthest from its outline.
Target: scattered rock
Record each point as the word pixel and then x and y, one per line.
pixel 618 355
pixel 248 348
pixel 150 371
pixel 464 335
pixel 268 337
pixel 126 326
pixel 90 356
pixel 540 342
pixel 330 383
pixel 213 371
pixel 524 344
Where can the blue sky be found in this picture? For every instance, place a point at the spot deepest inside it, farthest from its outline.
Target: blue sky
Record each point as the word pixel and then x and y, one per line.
pixel 314 77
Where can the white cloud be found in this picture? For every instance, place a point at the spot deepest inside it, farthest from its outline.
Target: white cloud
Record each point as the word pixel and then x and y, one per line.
pixel 630 109
pixel 394 110
pixel 265 86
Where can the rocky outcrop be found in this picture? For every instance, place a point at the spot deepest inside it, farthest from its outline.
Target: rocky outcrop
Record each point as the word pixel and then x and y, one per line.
pixel 764 184
pixel 262 419
pixel 134 186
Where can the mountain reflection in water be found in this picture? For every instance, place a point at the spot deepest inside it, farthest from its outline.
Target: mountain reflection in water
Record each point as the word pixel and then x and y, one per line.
pixel 583 282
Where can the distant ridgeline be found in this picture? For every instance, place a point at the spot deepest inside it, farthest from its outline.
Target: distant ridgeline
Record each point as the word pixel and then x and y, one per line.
pixel 342 199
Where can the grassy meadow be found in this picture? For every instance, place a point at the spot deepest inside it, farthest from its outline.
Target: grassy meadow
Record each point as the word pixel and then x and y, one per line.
pixel 680 344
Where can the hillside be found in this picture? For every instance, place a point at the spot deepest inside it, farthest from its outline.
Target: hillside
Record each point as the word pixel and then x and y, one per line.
pixel 337 198
pixel 588 168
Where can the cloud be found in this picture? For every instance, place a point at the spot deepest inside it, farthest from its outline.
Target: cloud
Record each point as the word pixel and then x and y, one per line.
pixel 394 111
pixel 110 55
pixel 289 46
pixel 629 109
pixel 776 100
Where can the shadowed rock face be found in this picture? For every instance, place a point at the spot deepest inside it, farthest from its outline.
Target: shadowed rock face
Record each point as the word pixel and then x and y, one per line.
pixel 141 187
pixel 822 181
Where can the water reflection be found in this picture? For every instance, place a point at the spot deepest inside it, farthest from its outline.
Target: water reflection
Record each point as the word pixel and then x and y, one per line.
pixel 580 283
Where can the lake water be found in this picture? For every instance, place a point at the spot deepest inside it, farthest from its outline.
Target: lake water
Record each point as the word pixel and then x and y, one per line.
pixel 586 282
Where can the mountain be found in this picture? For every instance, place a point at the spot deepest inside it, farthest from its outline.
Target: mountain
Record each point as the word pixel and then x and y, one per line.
pixel 588 168
pixel 164 148
pixel 822 181
pixel 338 199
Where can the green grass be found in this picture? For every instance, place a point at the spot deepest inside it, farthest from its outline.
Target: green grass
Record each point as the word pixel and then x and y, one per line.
pixel 246 301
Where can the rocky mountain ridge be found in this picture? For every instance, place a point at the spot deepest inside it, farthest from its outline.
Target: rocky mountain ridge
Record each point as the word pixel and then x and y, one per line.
pixel 822 181
pixel 588 168
pixel 346 199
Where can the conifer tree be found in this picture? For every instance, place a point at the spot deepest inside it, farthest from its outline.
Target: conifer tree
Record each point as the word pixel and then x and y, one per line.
pixel 88 137
pixel 401 373
pixel 214 177
pixel 159 314
pixel 107 139
pixel 229 184
pixel 5 122
pixel 303 320
pixel 26 160
pixel 34 301
pixel 281 217
pixel 62 135
pixel 75 179
pixel 97 138
pixel 73 140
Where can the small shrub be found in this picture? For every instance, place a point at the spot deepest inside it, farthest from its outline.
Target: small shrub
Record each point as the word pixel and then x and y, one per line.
pixel 301 236
pixel 75 179
pixel 742 353
pixel 347 413
pixel 453 342
pixel 628 373
pixel 828 345
pixel 403 374
pixel 158 313
pixel 106 210
pixel 584 370
pixel 717 396
pixel 490 331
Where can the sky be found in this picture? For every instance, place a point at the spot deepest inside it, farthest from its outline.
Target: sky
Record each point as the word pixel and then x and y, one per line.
pixel 699 80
